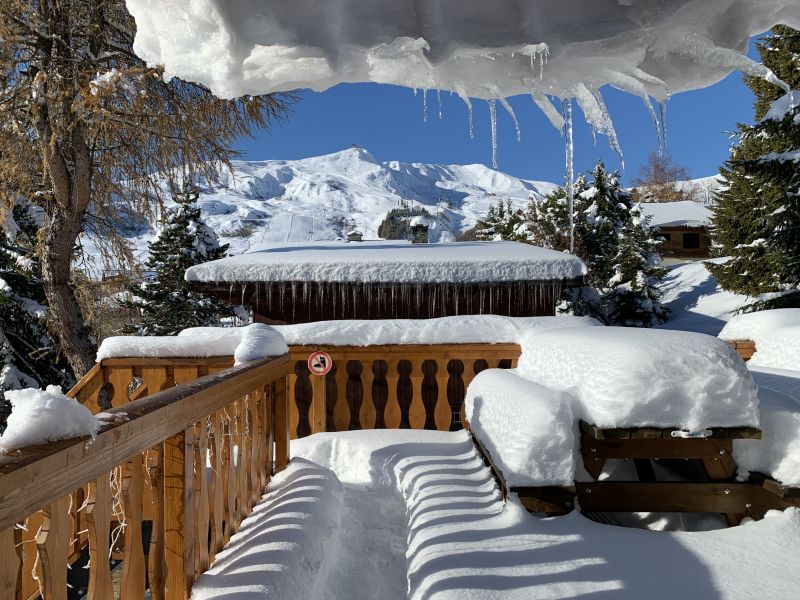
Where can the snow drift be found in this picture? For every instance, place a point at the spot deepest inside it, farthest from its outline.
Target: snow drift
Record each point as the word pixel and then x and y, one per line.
pixel 775 332
pixel 626 377
pixel 528 430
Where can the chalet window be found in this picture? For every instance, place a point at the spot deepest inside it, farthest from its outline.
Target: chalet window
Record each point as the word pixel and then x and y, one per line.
pixel 691 241
pixel 667 236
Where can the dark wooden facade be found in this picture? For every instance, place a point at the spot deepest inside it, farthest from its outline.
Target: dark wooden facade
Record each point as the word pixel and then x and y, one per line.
pixel 685 242
pixel 303 302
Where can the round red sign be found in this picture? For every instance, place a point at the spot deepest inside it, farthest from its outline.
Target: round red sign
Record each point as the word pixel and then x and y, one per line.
pixel 320 363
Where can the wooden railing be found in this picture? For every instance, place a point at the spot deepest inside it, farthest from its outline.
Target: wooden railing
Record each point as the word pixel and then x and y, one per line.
pixel 186 450
pixel 397 386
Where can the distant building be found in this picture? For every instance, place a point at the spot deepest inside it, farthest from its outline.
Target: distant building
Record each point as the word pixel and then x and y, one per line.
pixel 684 227
pixel 300 282
pixel 419 230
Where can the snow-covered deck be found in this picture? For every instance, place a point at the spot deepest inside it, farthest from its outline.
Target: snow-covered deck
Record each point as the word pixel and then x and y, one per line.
pixel 391 262
pixel 416 514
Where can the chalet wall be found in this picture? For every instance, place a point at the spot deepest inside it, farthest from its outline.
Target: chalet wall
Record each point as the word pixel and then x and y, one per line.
pixel 681 242
pixel 303 302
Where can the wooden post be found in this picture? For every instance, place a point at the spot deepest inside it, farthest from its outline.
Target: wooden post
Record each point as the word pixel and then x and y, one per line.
pixel 442 413
pixel 155 559
pixel 416 411
pixel 11 563
pixel 392 415
pixel 341 410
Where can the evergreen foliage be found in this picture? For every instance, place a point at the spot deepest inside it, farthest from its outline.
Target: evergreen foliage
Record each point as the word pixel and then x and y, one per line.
pixel 611 237
pixel 28 357
pixel 633 298
pixel 757 213
pixel 168 304
pixel 396 224
pixel 503 222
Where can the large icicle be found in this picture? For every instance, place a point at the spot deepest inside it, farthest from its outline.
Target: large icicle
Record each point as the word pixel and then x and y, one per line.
pixel 462 93
pixel 550 111
pixel 493 119
pixel 596 114
pixel 568 151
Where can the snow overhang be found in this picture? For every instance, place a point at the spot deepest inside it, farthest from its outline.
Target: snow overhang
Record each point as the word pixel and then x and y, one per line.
pixel 475 48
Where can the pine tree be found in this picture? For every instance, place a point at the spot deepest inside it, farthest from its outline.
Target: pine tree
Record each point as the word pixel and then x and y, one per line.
pixel 28 357
pixel 757 213
pixel 503 223
pixel 633 295
pixel 168 305
pixel 617 246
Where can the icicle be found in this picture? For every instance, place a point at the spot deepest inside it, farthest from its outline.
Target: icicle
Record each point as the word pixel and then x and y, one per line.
pixel 425 105
pixel 663 109
pixel 439 101
pixel 462 93
pixel 568 151
pixel 493 119
pixel 550 111
pixel 510 111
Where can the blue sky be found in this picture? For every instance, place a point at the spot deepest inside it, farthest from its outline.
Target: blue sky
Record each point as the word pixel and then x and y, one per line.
pixel 389 122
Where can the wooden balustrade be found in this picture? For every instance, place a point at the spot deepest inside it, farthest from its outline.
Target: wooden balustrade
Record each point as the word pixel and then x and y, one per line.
pixel 184 454
pixel 174 420
pixel 398 386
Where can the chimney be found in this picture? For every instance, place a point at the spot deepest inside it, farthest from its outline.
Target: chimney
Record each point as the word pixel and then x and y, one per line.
pixel 419 230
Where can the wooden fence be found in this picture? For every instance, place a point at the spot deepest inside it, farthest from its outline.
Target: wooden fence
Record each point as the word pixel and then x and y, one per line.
pixel 398 386
pixel 183 461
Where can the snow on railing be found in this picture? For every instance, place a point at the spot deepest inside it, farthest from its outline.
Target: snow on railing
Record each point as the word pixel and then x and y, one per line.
pixel 182 457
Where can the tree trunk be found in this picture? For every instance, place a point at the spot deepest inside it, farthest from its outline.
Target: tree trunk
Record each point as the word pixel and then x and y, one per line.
pixel 74 337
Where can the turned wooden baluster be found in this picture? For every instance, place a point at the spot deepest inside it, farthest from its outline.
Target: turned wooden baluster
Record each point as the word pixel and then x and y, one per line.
pixel 133 567
pixel 319 402
pixel 280 424
pixel 156 565
pixel 416 410
pixel 217 487
pixel 201 491
pixel 468 376
pixel 179 516
pixel 442 414
pixel 367 413
pixel 52 542
pixel 294 412
pixel 341 410
pixel 392 414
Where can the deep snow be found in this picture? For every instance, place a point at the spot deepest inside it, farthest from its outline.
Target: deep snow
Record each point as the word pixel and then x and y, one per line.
pixel 416 514
pixel 393 262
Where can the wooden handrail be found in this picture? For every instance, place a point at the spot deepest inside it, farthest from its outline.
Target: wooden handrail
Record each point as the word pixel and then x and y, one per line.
pixel 148 462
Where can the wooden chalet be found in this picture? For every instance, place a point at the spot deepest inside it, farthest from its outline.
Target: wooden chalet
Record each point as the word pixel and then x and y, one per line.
pixel 322 281
pixel 683 226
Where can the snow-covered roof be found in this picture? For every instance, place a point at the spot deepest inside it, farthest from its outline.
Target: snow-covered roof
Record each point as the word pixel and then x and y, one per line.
pixel 472 47
pixel 418 221
pixel 391 262
pixel 685 213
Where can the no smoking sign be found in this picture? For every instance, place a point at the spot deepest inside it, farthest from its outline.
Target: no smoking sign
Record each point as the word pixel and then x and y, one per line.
pixel 320 363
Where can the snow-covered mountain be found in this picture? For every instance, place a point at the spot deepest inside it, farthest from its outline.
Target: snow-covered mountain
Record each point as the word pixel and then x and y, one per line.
pixel 324 197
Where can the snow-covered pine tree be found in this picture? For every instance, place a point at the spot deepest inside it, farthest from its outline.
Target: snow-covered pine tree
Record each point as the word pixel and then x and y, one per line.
pixel 502 223
pixel 633 296
pixel 757 213
pixel 167 304
pixel 28 356
pixel 603 216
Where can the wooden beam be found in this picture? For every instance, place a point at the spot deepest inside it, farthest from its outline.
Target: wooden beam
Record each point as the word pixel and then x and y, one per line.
pixel 735 498
pixel 625 433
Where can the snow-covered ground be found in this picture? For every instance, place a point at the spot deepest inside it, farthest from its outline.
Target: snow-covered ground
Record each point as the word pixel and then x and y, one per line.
pixel 396 514
pixel 696 301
